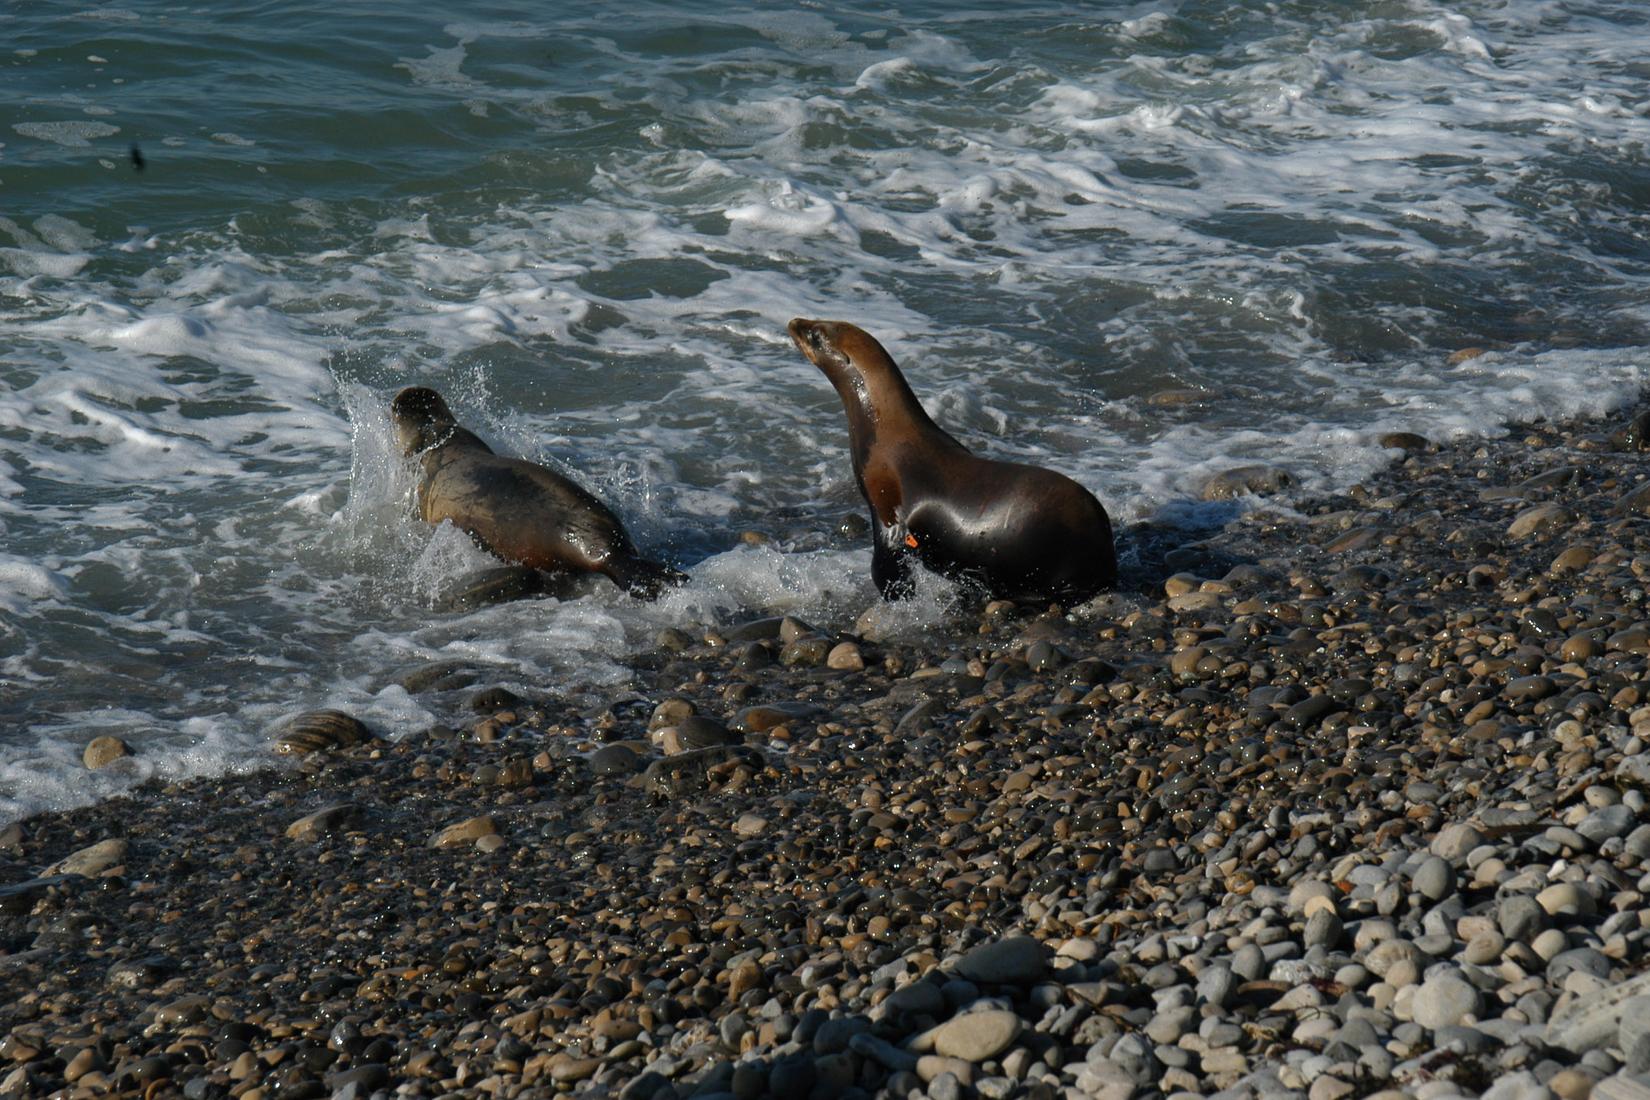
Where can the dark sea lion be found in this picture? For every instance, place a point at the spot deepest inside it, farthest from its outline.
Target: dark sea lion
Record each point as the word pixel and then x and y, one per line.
pixel 518 510
pixel 1019 531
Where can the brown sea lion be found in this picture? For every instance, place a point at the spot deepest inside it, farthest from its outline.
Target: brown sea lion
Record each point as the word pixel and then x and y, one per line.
pixel 1019 531
pixel 518 510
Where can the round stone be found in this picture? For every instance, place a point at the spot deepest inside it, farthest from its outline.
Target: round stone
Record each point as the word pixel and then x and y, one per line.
pixel 1388 954
pixel 1435 878
pixel 1549 943
pixel 1016 960
pixel 1566 899
pixel 918 998
pixel 1443 1000
pixel 1305 890
pixel 1484 948
pixel 977 1036
pixel 1323 929
pixel 103 751
pixel 614 759
pixel 93 859
pixel 1216 984
pixel 845 657
pixel 1453 842
pixel 1520 917
pixel 465 832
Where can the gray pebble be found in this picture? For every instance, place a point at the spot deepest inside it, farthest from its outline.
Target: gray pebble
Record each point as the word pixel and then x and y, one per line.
pixel 613 760
pixel 1453 842
pixel 1215 984
pixel 1248 962
pixel 881 1050
pixel 1443 1000
pixel 1584 960
pixel 1323 929
pixel 1520 918
pixel 1015 960
pixel 834 1036
pixel 1607 822
pixel 922 998
pixel 1435 878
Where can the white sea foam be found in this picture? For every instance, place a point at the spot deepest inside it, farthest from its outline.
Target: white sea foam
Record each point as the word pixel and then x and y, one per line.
pixel 72 133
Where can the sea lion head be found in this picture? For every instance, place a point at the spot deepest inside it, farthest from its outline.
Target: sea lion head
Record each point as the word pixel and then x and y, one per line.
pixel 422 419
pixel 838 348
pixel 864 374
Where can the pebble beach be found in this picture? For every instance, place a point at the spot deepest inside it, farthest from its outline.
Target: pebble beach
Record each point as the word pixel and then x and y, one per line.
pixel 1344 798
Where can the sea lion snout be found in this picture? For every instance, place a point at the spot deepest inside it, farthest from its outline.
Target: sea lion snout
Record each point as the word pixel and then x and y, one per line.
pixel 421 418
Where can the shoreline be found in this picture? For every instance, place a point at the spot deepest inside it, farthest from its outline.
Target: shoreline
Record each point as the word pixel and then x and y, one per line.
pixel 1350 801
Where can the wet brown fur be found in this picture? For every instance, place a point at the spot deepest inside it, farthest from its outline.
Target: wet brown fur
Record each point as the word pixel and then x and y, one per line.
pixel 518 510
pixel 1020 531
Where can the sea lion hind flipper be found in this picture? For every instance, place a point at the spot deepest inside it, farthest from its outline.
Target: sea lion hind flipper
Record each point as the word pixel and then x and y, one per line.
pixel 644 579
pixel 485 587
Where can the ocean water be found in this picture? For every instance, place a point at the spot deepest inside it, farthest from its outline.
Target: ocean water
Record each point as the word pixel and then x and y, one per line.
pixel 1137 242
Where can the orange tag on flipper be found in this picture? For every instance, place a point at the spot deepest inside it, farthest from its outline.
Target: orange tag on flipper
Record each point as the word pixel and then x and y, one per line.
pixel 911 541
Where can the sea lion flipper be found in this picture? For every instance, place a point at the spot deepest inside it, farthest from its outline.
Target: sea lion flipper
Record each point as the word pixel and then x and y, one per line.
pixel 891 570
pixel 644 579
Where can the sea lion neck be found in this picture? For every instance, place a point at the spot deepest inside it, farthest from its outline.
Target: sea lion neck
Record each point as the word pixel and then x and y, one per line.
pixel 874 393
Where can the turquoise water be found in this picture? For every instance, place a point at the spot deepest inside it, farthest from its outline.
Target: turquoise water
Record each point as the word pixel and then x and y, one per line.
pixel 590 230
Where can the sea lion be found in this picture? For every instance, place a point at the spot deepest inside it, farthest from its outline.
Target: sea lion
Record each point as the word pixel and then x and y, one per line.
pixel 518 510
pixel 1019 531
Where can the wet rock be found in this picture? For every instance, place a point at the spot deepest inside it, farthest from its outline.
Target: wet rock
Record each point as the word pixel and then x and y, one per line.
pixel 467 831
pixel 93 859
pixel 16 899
pixel 1635 436
pixel 320 731
pixel 845 657
pixel 695 732
pixel 102 751
pixel 1404 441
pixel 1635 503
pixel 1540 521
pixel 764 717
pixel 438 676
pixel 808 651
pixel 494 699
pixel 692 772
pixel 618 758
pixel 670 712
pixel 1260 480
pixel 324 822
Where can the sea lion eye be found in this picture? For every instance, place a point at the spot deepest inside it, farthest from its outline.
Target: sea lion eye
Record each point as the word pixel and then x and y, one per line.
pixel 814 339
